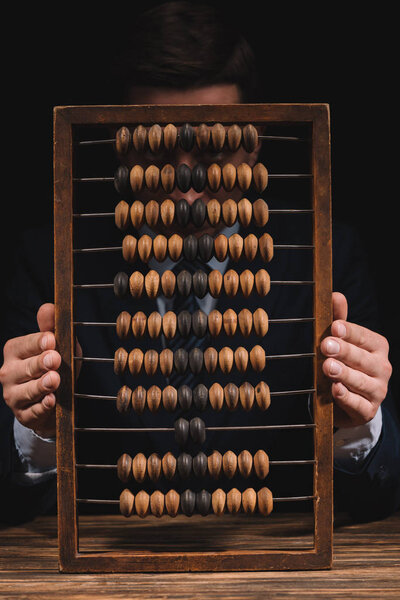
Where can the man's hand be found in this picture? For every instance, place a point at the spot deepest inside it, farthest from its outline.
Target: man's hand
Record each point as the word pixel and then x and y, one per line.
pixel 358 366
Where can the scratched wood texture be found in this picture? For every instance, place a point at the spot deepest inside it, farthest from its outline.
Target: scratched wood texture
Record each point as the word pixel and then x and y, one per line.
pixel 366 564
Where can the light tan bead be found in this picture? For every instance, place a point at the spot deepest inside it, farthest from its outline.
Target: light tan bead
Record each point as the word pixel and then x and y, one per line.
pixel 213 212
pixel 122 140
pixel 216 396
pixel 260 177
pixel 166 362
pixel 136 178
pixel 124 399
pixel 215 280
pixel 123 326
pixel 257 358
pixel 172 500
pixel 153 398
pixel 221 247
pixel 139 467
pixel 265 501
pixel 231 283
pixel 218 136
pixel 225 359
pixel 245 211
pixel 244 175
pixel 228 176
pixel 260 212
pixel 246 394
pixel 231 396
pixel 214 177
pixel 154 323
pixel 126 503
pixel 246 282
pixel 263 396
pixel 210 358
pixel 245 319
pixel 135 361
pixel 250 246
pixel 260 320
pixel 245 463
pixel 229 464
pixel 129 248
pixel 168 178
pixel 139 322
pixel 137 214
pixel 154 467
pixel 139 399
pixel 139 138
pixel 169 397
pixel 263 282
pixel 152 284
pixel 122 215
pixel 229 212
pixel 120 361
pixel 168 283
pixel 136 284
pixel 169 324
pixel 160 246
pixel 155 138
pixel 157 503
pixel 234 137
pixel 214 463
pixel 167 212
pixel 229 320
pixel 124 467
pixel 152 212
pixel 203 136
pixel 142 503
pixel 175 245
pixel 235 247
pixel 266 246
pixel 218 500
pixel 151 361
pixel 249 501
pixel 145 248
pixel 168 465
pixel 152 178
pixel 250 138
pixel 214 322
pixel 233 501
pixel 261 464
pixel 170 136
pixel 241 359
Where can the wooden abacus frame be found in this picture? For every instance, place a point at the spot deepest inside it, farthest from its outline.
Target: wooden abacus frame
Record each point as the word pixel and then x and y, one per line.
pixel 71 559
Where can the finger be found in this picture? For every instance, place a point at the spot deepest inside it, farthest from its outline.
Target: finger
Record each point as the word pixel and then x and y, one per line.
pixel 46 317
pixel 360 336
pixel 355 381
pixel 40 415
pixel 352 356
pixel 360 410
pixel 35 366
pixel 33 391
pixel 29 345
pixel 339 306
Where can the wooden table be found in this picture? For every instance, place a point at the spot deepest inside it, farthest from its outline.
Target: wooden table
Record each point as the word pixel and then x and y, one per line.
pixel 366 565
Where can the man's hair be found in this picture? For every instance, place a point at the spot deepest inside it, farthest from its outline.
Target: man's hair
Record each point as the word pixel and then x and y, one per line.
pixel 181 45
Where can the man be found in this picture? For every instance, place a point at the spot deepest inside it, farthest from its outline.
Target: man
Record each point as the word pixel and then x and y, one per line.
pixel 219 70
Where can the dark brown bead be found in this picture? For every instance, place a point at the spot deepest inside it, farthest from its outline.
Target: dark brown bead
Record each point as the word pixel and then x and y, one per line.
pixel 181 360
pixel 184 323
pixel 210 359
pixel 126 503
pixel 182 212
pixel 172 500
pixel 250 138
pixel 229 464
pixel 184 465
pixel 200 283
pixel 169 398
pixel 188 502
pixel 122 140
pixel 139 399
pixel 122 215
pixel 206 247
pixel 186 137
pixel 185 397
pixel 181 427
pixel 168 464
pixel 200 397
pixel 121 283
pixel 139 322
pixel 198 430
pixel 123 325
pixel 231 395
pixel 199 323
pixel 199 177
pixel 124 398
pixel 263 396
pixel 190 247
pixel 120 361
pixel 153 398
pixel 203 136
pixel 200 465
pixel 124 468
pixel 183 177
pixel 198 210
pixel 196 360
pixel 215 464
pixel 155 138
pixel 184 283
pixel 246 393
pixel 154 467
pixel 121 181
pixel 203 502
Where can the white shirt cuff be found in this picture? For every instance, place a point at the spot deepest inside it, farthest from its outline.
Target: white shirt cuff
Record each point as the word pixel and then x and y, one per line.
pixel 37 454
pixel 352 445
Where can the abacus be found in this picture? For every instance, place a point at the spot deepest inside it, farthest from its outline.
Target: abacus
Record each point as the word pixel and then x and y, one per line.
pixel 174 382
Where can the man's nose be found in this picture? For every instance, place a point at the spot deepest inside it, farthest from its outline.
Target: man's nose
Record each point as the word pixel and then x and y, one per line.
pixel 191 195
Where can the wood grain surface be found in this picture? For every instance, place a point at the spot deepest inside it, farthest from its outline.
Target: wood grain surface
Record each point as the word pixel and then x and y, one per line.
pixel 366 564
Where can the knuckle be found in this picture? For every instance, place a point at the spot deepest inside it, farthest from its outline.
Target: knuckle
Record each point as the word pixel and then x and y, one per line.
pixel 4 373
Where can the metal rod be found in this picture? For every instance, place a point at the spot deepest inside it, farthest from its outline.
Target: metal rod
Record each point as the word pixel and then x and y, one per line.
pixel 270 176
pixel 110 285
pixel 296 320
pixel 275 211
pixel 271 462
pixel 116 248
pixel 169 429
pixel 267 357
pixel 287 499
pixel 280 138
pixel 114 398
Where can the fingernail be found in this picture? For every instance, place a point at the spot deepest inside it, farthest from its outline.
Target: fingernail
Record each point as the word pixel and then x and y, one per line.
pixel 334 368
pixel 341 330
pixel 332 347
pixel 47 381
pixel 44 341
pixel 48 361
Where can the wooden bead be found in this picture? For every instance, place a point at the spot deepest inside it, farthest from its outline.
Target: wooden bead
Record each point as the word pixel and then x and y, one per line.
pixel 155 138
pixel 263 282
pixel 169 324
pixel 139 467
pixel 120 361
pixel 250 246
pixel 250 138
pixel 122 215
pixel 257 358
pixel 186 137
pixel 181 360
pixel 129 248
pixel 199 323
pixel 145 248
pixel 241 359
pixel 124 398
pixel 184 323
pixel 213 212
pixel 200 397
pixel 199 177
pixel 167 212
pixel 169 398
pixel 124 467
pixel 266 246
pixel 246 394
pixel 168 283
pixel 231 282
pixel 182 211
pixel 260 320
pixel 136 284
pixel 265 501
pixel 261 464
pixel 249 501
pixel 139 322
pixel 228 176
pixel 263 396
pixel 233 501
pixel 183 177
pixel 152 284
pixel 244 211
pixel 231 395
pixel 229 212
pixel 235 247
pixel 200 465
pixel 218 136
pixel 245 463
pixel 185 397
pixel 154 467
pixel 215 322
pixel 197 430
pixel 120 284
pixel 154 325
pixel 214 177
pixel 142 504
pixel 153 398
pixel 184 283
pixel 260 177
pixel 234 137
pixel 190 247
pixel 244 176
pixel 205 247
pixel 136 178
pixel 221 247
pixel 168 464
pixel 126 503
pixel 121 180
pixel 203 136
pixel 166 362
pixel 203 502
pixel 175 247
pixel 139 399
pixel 216 396
pixel 260 212
pixel 210 359
pixel 214 463
pixel 123 326
pixel 152 178
pixel 160 246
pixel 198 211
pixel 152 213
pixel 172 503
pixel 157 503
pixel 230 321
pixel 168 178
pixel 215 280
pixel 135 361
pixel 181 427
pixel 229 464
pixel 137 214
pixel 184 465
pixel 200 283
pixel 122 140
pixel 188 502
pixel 218 501
pixel 139 138
pixel 170 136
pixel 225 359
pixel 245 319
pixel 151 362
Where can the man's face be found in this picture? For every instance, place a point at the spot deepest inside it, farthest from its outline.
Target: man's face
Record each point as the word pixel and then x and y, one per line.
pixel 216 94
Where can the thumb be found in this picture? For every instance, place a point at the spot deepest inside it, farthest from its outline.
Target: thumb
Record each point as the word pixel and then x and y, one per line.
pixel 339 305
pixel 46 317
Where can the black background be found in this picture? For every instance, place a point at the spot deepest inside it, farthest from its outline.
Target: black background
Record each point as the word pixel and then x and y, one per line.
pixel 345 59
